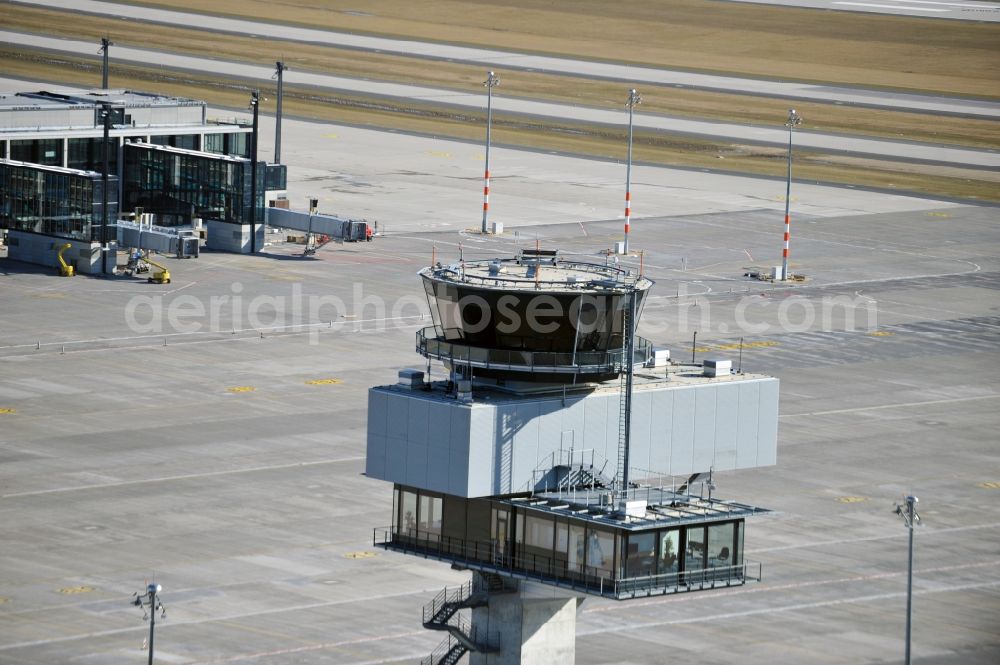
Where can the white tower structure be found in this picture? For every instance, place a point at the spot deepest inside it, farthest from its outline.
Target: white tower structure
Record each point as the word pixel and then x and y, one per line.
pixel 563 456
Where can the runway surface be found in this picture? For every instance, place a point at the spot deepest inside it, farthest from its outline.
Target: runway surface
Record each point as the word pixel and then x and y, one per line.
pixel 775 135
pixel 499 59
pixel 967 10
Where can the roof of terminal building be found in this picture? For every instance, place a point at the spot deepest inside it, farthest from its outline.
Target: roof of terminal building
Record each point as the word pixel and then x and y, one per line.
pixel 539 271
pixel 184 151
pixel 48 99
pixel 55 169
pixel 56 113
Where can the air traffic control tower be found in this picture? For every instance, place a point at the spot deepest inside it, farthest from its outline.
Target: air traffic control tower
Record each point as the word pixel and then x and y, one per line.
pixel 561 455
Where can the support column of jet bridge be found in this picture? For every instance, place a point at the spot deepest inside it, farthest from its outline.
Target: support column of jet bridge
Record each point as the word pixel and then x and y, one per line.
pixel 558 455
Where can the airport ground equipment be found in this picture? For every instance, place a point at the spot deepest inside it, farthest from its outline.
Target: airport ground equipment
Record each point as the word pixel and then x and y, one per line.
pixel 357 230
pixel 188 246
pixel 560 455
pixel 65 269
pixel 162 276
pixel 339 229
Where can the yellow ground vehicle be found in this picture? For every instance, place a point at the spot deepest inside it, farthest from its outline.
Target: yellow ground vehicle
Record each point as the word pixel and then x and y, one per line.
pixel 140 263
pixel 162 276
pixel 65 269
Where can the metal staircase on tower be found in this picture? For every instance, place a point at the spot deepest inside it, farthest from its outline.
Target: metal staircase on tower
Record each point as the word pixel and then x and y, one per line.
pixel 443 613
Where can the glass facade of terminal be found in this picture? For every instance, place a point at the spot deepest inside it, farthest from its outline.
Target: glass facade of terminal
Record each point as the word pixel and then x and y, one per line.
pixel 37 151
pixel 507 535
pixel 87 154
pixel 185 141
pixel 55 202
pixel 233 144
pixel 184 185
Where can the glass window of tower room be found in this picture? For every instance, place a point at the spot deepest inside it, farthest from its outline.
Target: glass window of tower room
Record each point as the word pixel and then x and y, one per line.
pixel 429 517
pixel 600 552
pixel 694 555
pixel 669 561
pixel 640 557
pixel 721 544
pixel 408 513
pixel 577 548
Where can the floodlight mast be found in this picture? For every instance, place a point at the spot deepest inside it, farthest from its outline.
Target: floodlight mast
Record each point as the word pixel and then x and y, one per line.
pixel 105 155
pixel 151 599
pixel 794 120
pixel 105 43
pixel 908 512
pixel 280 69
pixel 492 80
pixel 255 103
pixel 633 100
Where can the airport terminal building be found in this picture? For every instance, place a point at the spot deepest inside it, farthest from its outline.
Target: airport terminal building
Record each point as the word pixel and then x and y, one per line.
pixel 164 155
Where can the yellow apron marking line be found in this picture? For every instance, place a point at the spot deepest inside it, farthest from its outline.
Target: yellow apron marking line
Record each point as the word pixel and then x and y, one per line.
pixel 881 333
pixel 360 555
pixel 241 389
pixel 70 590
pixel 989 485
pixel 323 382
pixel 746 345
pixel 8 410
pixel 852 499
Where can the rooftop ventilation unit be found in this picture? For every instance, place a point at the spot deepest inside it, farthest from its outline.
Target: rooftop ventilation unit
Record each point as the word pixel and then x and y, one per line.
pixel 717 367
pixel 411 378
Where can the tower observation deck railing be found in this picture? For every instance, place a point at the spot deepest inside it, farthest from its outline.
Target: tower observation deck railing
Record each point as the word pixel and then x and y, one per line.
pixel 608 278
pixel 489 557
pixel 610 361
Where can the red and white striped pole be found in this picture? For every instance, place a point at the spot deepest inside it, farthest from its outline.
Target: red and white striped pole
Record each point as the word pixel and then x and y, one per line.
pixel 793 121
pixel 633 100
pixel 491 81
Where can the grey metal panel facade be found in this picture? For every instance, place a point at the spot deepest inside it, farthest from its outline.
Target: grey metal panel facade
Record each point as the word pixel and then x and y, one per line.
pixel 229 237
pixel 484 472
pixel 727 406
pixel 573 419
pixel 703 449
pixel 439 469
pixel 767 448
pixel 418 422
pixel 747 436
pixel 682 432
pixel 44 250
pixel 609 446
pixel 375 462
pixel 525 437
pixel 661 432
pixel 642 413
pixel 595 416
pixel 490 448
pixel 397 417
pixel 439 425
pixel 416 466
